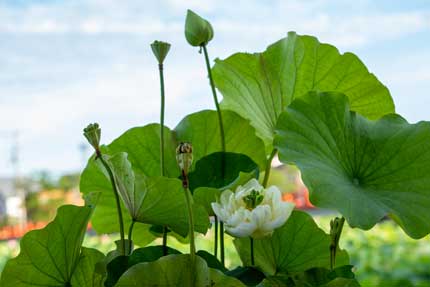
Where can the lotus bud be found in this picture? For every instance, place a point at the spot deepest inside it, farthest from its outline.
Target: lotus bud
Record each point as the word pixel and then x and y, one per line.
pixel 252 210
pixel 93 133
pixel 160 50
pixel 184 157
pixel 198 31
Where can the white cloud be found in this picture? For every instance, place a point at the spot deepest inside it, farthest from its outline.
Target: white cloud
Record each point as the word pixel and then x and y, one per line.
pixel 253 18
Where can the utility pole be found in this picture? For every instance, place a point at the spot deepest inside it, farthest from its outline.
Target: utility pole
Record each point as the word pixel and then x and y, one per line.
pixel 83 149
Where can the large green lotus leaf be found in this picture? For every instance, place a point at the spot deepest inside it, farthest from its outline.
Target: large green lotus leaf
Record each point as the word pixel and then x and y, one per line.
pixel 175 270
pixel 260 86
pixel 52 256
pixel 365 169
pixel 295 247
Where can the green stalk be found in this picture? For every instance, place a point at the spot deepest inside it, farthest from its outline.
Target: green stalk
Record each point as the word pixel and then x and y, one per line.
pixel 251 240
pixel 130 234
pixel 221 129
pixel 160 68
pixel 336 227
pixel 216 236
pixel 189 200
pixel 118 205
pixel 215 97
pixel 191 223
pixel 221 241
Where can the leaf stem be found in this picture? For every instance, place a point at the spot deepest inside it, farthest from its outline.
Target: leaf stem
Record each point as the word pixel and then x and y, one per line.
pixel 336 227
pixel 162 108
pixel 118 204
pixel 221 126
pixel 160 68
pixel 221 241
pixel 269 167
pixel 251 240
pixel 130 234
pixel 216 236
pixel 222 135
pixel 189 200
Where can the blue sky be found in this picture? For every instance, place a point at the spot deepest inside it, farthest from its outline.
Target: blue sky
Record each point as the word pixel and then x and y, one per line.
pixel 64 64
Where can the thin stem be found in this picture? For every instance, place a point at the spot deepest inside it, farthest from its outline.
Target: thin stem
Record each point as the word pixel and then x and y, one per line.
pixel 335 232
pixel 216 236
pixel 221 126
pixel 189 200
pixel 221 241
pixel 160 68
pixel 251 240
pixel 269 167
pixel 130 234
pixel 191 222
pixel 118 205
pixel 222 135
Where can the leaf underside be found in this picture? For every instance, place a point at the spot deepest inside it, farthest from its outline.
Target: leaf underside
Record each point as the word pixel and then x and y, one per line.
pixel 364 169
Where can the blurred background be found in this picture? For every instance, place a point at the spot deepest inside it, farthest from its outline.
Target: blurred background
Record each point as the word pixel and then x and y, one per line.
pixel 64 64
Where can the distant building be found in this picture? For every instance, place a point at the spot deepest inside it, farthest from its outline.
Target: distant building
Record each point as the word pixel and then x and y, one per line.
pixel 7 190
pixel 12 198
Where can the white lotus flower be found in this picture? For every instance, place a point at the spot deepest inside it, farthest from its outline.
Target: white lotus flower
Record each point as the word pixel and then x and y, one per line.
pixel 252 210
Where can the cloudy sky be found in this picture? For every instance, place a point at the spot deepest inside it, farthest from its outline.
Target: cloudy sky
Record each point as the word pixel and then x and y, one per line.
pixel 64 64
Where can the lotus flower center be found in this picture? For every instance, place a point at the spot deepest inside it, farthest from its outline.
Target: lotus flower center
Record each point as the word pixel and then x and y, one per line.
pixel 253 199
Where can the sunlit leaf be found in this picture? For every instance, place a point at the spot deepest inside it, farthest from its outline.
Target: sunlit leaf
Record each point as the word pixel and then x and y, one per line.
pixel 260 86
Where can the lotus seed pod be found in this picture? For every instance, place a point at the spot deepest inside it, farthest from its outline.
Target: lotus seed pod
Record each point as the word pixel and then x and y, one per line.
pixel 160 50
pixel 93 133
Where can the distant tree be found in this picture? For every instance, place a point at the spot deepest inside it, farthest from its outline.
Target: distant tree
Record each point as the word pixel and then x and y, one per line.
pixel 68 181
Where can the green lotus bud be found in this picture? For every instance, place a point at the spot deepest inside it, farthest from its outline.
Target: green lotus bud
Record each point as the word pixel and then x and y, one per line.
pixel 198 31
pixel 93 132
pixel 184 156
pixel 160 50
